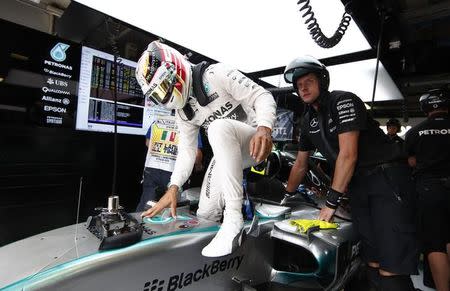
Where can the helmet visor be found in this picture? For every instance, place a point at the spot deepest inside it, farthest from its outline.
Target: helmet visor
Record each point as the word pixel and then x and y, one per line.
pixel 424 97
pixel 161 85
pixel 295 73
pixel 288 75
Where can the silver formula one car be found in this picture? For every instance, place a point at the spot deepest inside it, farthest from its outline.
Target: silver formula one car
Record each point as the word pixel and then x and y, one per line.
pixel 118 251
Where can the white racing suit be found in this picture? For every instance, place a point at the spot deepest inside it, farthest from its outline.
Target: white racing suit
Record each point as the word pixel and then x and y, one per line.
pixel 237 107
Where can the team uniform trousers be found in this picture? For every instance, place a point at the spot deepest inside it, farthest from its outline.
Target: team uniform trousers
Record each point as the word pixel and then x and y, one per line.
pixel 434 212
pixel 382 203
pixel 154 184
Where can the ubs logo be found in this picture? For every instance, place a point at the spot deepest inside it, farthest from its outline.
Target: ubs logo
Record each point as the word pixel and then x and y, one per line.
pixel 314 122
pixel 58 52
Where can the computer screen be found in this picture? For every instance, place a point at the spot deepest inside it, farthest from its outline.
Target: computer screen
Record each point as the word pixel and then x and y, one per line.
pixel 95 110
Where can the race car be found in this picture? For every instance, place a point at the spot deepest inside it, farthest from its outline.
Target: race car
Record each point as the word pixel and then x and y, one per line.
pixel 114 250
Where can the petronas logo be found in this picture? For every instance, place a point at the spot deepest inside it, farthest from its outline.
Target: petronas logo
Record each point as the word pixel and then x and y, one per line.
pixel 58 52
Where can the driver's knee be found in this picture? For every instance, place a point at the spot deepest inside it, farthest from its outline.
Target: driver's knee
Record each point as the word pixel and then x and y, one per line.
pixel 220 131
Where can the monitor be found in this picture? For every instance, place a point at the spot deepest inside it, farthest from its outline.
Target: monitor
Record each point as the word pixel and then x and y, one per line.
pixel 95 110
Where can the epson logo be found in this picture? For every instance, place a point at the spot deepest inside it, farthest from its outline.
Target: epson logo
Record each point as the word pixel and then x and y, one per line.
pixel 55 109
pixel 179 281
pixel 346 105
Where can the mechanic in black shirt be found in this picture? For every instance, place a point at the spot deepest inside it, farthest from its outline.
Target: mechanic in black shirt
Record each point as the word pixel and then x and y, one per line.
pixel 428 147
pixel 393 127
pixel 368 168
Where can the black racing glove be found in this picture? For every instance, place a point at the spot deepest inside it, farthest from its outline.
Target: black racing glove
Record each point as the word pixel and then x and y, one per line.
pixel 333 198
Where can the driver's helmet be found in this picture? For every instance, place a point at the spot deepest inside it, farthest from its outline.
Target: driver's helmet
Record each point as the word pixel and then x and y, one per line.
pixel 434 99
pixel 164 75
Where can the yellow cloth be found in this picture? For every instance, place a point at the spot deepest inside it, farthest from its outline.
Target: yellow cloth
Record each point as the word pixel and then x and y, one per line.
pixel 303 225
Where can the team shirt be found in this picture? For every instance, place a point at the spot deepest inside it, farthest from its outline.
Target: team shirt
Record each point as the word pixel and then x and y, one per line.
pixel 396 139
pixel 342 112
pixel 429 142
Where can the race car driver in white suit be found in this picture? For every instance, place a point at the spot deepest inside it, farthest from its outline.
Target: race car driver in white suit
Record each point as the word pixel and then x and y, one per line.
pixel 238 115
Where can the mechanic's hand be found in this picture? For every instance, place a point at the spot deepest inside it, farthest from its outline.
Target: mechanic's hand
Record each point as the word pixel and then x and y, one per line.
pixel 261 144
pixel 326 214
pixel 169 199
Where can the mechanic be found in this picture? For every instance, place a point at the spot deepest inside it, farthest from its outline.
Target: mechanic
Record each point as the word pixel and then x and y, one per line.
pixel 239 116
pixel 427 145
pixel 393 127
pixel 368 168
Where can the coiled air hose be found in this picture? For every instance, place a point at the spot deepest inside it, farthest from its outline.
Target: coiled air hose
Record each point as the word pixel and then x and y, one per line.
pixel 314 28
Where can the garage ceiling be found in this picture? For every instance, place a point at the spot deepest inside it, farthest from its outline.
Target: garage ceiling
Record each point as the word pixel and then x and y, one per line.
pixel 414 47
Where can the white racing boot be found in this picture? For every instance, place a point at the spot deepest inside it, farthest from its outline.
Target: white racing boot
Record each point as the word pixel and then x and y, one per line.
pixel 229 236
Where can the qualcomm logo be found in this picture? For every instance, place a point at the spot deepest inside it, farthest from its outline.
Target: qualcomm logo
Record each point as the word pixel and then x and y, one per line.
pixel 58 52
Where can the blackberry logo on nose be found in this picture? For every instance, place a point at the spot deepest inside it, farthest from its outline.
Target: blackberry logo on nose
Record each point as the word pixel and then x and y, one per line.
pixel 154 285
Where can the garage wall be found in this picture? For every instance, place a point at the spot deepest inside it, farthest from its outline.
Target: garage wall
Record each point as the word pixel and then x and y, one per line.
pixel 40 172
pixel 41 167
pixel 26 15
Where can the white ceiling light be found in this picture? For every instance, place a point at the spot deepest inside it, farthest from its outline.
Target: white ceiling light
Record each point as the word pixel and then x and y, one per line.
pixel 356 77
pixel 250 35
